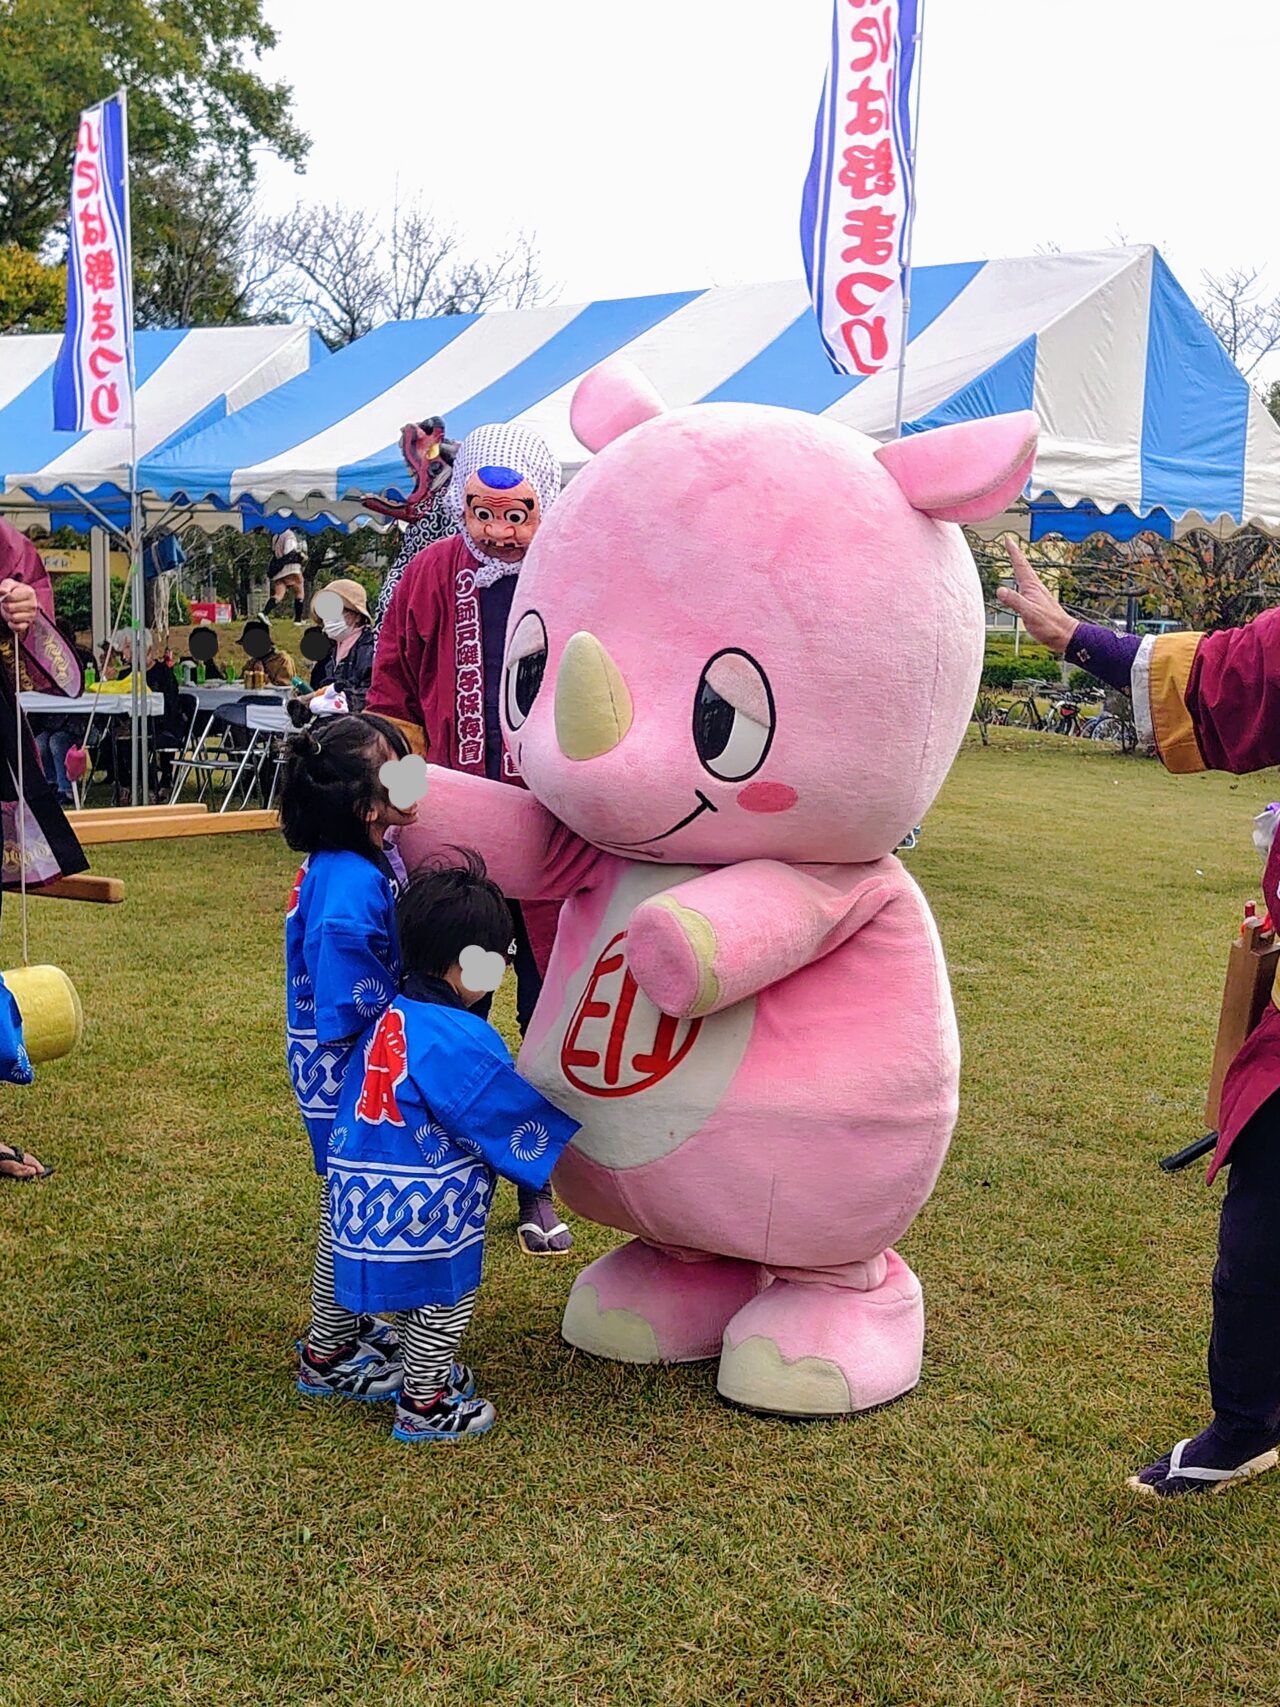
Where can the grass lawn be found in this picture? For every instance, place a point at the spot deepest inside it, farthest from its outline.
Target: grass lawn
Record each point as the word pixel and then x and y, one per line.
pixel 178 1526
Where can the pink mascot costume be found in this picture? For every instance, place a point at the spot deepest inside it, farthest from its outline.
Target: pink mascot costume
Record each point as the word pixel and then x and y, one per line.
pixel 742 656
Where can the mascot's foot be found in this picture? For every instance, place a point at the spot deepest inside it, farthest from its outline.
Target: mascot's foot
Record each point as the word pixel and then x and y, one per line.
pixel 816 1350
pixel 638 1305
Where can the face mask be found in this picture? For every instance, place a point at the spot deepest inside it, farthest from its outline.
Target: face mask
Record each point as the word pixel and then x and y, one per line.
pixel 336 629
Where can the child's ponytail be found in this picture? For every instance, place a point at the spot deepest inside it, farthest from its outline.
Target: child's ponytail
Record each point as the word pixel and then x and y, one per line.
pixel 329 782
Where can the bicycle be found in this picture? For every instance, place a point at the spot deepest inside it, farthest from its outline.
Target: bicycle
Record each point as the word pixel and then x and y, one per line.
pixel 1109 726
pixel 1024 712
pixel 1065 718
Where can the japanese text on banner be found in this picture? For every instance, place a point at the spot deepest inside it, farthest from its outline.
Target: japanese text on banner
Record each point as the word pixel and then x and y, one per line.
pixel 857 199
pixel 92 377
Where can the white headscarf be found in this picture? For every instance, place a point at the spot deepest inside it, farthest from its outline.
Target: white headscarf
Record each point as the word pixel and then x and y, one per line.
pixel 497 446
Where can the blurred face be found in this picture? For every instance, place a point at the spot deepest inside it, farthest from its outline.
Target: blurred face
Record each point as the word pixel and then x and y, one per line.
pixel 383 816
pixel 500 520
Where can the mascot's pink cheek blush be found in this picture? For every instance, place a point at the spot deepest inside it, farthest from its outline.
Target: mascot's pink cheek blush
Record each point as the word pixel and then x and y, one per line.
pixel 767 797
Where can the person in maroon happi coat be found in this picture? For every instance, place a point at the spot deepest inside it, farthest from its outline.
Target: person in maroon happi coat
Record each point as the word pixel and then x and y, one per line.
pixel 1211 702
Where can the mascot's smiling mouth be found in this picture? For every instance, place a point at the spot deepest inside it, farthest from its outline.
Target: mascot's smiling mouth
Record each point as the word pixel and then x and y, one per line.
pixel 704 805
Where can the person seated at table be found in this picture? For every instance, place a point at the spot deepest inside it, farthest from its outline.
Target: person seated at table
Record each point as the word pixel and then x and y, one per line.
pixel 347 666
pixel 212 669
pixel 167 731
pixel 261 649
pixel 56 735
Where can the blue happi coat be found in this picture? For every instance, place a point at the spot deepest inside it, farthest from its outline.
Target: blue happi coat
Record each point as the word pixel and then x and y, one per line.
pixel 15 1063
pixel 342 967
pixel 434 1110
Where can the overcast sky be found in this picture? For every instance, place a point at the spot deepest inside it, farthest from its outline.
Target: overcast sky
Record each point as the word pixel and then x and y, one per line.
pixel 662 145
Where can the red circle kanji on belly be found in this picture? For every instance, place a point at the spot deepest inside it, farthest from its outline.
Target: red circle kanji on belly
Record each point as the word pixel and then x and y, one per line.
pixel 612 1050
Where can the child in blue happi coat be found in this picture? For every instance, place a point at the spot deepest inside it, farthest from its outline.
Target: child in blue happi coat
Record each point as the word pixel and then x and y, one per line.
pixel 432 1113
pixel 342 967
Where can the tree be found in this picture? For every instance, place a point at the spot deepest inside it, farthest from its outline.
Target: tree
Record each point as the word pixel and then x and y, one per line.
pixel 1200 580
pixel 192 97
pixel 346 271
pixel 231 564
pixel 32 295
pixel 200 266
pixel 1206 582
pixel 1247 324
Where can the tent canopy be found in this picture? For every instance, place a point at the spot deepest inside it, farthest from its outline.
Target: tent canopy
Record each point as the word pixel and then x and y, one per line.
pixel 1142 410
pixel 186 381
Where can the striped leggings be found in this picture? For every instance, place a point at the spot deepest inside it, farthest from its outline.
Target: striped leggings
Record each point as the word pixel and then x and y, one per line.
pixel 429 1335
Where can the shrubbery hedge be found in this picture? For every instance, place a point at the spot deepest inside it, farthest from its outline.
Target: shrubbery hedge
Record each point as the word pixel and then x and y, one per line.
pixel 1004 672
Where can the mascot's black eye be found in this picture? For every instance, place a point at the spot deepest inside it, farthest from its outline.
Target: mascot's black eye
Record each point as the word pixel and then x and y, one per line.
pixel 733 716
pixel 526 665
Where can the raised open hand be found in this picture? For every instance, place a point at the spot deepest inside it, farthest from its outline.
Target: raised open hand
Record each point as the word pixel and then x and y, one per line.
pixel 1042 616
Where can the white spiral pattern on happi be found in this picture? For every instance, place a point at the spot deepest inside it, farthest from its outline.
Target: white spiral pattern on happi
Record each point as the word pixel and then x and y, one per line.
pixel 529 1142
pixel 370 997
pixel 432 1141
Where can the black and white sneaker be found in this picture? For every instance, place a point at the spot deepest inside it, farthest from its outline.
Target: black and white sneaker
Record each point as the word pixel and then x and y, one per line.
pixel 378 1335
pixel 448 1416
pixel 351 1372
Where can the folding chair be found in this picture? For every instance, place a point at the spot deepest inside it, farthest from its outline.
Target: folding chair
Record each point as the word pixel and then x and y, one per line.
pixel 266 720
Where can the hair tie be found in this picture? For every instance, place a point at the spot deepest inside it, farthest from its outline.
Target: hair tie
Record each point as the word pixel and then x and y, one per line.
pixel 305 746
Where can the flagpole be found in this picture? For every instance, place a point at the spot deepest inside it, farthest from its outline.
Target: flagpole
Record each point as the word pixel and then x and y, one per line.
pixel 918 71
pixel 139 729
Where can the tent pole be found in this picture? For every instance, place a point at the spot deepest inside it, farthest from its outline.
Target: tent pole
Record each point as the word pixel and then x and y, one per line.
pixel 138 729
pixel 99 590
pixel 911 228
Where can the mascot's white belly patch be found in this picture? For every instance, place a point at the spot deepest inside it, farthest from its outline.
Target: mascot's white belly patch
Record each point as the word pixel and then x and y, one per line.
pixel 640 1082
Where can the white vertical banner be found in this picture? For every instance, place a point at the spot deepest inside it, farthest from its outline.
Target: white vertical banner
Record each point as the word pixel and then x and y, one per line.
pixel 858 201
pixel 93 378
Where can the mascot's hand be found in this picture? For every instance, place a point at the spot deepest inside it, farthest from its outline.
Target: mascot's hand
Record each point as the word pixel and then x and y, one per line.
pixel 671 951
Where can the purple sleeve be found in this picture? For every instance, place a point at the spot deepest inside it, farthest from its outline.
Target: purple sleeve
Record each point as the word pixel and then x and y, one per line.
pixel 1104 653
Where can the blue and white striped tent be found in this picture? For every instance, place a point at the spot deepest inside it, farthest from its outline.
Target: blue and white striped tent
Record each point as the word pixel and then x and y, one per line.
pixel 186 381
pixel 1143 413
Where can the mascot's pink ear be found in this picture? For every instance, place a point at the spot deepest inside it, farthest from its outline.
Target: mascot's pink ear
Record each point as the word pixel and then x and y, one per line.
pixel 965 473
pixel 610 400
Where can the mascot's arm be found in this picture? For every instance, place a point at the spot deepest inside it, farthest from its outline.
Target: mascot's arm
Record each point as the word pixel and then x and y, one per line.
pixel 529 853
pixel 721 937
pixel 1211 701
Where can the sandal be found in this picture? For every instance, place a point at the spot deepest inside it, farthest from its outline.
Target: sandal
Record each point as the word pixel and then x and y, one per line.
pixel 1161 1480
pixel 541 1233
pixel 23 1158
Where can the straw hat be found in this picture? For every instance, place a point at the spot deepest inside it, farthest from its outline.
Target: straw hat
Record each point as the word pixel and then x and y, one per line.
pixel 351 593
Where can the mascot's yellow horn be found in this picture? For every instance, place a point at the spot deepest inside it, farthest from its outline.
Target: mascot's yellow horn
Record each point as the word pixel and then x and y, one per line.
pixel 52 1018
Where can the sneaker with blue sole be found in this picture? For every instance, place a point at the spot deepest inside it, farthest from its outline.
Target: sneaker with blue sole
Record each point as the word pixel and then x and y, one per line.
pixel 447 1417
pixel 353 1372
pixel 380 1337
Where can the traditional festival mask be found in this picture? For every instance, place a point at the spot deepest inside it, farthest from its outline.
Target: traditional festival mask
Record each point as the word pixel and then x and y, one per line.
pixel 504 481
pixel 501 513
